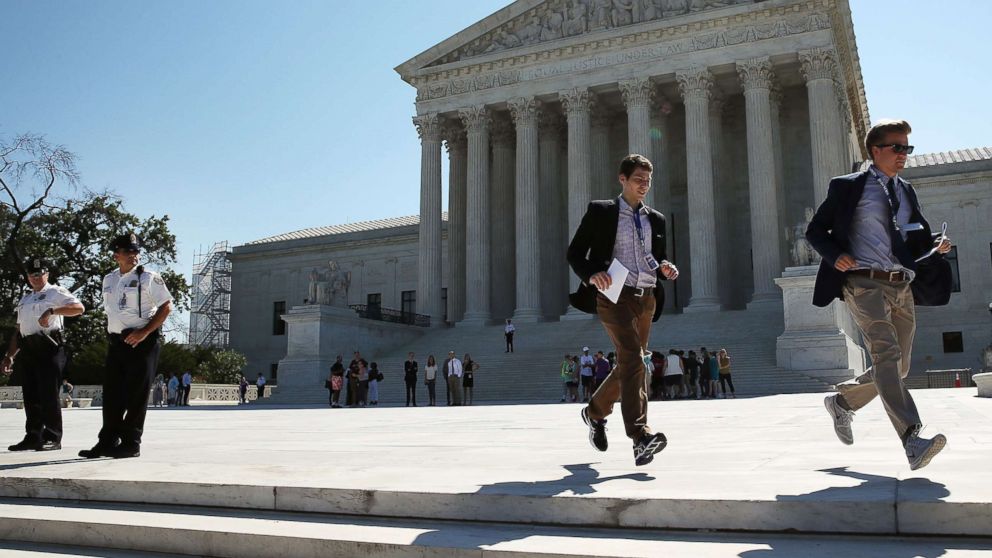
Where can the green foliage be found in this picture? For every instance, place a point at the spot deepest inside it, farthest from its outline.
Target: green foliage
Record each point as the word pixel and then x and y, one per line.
pixel 176 359
pixel 222 367
pixel 86 364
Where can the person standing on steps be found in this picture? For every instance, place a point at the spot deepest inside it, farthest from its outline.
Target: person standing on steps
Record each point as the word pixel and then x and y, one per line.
pixel 634 234
pixel 508 335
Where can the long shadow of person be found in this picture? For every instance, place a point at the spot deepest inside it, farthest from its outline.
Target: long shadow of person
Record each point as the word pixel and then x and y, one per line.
pixel 13 466
pixel 529 502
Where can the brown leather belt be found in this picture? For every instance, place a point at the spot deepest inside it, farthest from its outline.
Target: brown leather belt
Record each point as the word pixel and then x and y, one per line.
pixel 637 291
pixel 891 276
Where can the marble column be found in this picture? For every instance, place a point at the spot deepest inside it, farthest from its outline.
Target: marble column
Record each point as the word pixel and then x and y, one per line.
pixel 638 94
pixel 502 260
pixel 780 195
pixel 660 196
pixel 578 105
pixel 819 68
pixel 551 128
pixel 429 238
pixel 477 246
pixel 696 87
pixel 528 258
pixel 757 76
pixel 457 145
pixel 724 205
pixel 604 182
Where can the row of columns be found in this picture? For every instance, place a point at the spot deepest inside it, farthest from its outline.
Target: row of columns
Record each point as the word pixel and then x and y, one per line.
pixel 535 160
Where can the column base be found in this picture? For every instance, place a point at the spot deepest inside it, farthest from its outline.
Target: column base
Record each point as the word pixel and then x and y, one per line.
pixel 475 319
pixel 527 315
pixel 708 304
pixel 574 314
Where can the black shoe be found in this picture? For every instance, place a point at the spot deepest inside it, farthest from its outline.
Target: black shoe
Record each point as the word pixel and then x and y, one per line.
pixel 597 430
pixel 50 445
pixel 99 450
pixel 26 445
pixel 647 446
pixel 124 451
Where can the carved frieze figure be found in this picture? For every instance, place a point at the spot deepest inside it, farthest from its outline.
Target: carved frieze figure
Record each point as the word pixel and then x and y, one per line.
pixel 621 13
pixel 503 40
pixel 673 8
pixel 575 24
pixel 552 27
pixel 651 9
pixel 530 33
pixel 601 14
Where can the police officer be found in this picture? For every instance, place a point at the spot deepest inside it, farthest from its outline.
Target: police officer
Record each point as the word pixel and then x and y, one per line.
pixel 137 303
pixel 38 349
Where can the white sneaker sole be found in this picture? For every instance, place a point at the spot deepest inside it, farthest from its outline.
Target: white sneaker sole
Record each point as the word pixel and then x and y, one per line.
pixel 828 403
pixel 939 442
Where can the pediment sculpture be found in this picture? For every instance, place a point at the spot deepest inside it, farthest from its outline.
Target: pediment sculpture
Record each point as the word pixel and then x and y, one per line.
pixel 329 286
pixel 800 251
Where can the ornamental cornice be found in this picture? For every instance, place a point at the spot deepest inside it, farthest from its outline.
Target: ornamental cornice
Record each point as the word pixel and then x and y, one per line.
pixel 428 126
pixel 524 110
pixel 645 45
pixel 577 100
pixel 756 73
pixel 695 83
pixel 637 92
pixel 818 63
pixel 476 118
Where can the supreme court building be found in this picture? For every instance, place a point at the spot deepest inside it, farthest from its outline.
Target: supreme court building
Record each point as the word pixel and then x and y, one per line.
pixel 746 108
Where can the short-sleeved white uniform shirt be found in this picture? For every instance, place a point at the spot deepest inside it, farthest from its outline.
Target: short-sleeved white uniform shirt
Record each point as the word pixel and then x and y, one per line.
pixel 34 304
pixel 120 298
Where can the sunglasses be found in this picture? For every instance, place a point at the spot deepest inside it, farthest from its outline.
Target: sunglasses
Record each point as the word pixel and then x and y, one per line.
pixel 897 148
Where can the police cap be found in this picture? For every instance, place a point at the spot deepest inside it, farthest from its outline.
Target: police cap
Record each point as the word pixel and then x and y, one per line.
pixel 37 265
pixel 129 242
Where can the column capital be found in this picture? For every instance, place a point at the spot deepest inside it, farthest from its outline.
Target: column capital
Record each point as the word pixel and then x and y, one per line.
pixel 454 135
pixel 637 92
pixel 428 126
pixel 818 63
pixel 695 83
pixel 476 118
pixel 502 132
pixel 577 101
pixel 524 110
pixel 756 73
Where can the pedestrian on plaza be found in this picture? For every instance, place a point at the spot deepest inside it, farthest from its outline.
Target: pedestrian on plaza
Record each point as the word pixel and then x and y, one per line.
pixel 173 387
pixel 156 391
pixel 137 303
pixel 454 372
pixel 328 385
pixel 444 373
pixel 565 373
pixel 242 390
pixel 673 374
pixel 573 385
pixel 375 376
pixel 586 362
pixel 705 384
pixel 337 383
pixel 656 383
pixel 430 380
pixel 626 230
pixel 69 391
pixel 39 349
pixel 724 362
pixel 410 373
pixel 880 257
pixel 508 335
pixel 612 358
pixel 714 375
pixel 363 382
pixel 187 386
pixel 260 384
pixel 692 365
pixel 469 367
pixel 351 388
pixel 601 369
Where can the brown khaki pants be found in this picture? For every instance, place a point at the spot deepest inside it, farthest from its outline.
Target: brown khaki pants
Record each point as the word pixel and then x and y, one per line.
pixel 628 323
pixel 886 315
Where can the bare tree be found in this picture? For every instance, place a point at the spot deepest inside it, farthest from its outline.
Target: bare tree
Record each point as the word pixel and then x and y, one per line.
pixel 30 168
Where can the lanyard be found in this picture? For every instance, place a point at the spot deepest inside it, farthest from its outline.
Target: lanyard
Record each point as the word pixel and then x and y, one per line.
pixel 640 229
pixel 895 195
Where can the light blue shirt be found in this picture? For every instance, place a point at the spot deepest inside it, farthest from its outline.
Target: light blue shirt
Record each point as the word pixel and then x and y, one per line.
pixel 627 248
pixel 871 245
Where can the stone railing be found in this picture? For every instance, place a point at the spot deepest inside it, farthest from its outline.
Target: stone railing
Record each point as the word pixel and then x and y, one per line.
pixel 984 383
pixel 197 392
pixel 389 315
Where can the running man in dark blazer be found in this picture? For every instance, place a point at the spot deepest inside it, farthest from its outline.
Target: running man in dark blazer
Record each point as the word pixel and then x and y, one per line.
pixel 870 231
pixel 633 233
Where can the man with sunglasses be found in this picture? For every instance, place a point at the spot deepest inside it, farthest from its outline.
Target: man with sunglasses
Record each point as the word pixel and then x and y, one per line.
pixel 137 303
pixel 869 231
pixel 38 347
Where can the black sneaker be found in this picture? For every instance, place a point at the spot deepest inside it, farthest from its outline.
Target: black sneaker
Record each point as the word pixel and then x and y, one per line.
pixel 99 450
pixel 647 446
pixel 26 445
pixel 597 431
pixel 50 445
pixel 124 451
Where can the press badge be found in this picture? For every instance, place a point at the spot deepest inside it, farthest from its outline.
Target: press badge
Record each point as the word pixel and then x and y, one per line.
pixel 652 263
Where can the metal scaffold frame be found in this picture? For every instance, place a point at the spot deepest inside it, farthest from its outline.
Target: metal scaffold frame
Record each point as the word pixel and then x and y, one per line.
pixel 210 312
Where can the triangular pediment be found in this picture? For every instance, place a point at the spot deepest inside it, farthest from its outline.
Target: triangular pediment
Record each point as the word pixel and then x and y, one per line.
pixel 526 23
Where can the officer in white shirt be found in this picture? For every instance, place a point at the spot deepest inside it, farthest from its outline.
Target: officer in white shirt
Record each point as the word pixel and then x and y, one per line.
pixel 39 350
pixel 137 303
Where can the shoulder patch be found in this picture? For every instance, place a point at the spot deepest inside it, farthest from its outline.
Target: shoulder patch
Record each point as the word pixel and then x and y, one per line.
pixel 158 279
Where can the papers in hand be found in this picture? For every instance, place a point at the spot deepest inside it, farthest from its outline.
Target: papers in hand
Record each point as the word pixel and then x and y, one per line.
pixel 937 243
pixel 618 274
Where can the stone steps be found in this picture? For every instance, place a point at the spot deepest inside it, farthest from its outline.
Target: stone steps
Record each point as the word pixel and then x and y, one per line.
pixel 116 530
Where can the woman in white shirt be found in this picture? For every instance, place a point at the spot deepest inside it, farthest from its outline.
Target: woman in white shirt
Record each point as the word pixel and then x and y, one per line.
pixel 430 378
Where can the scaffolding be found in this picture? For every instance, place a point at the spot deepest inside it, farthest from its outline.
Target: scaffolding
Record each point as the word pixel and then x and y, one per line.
pixel 210 313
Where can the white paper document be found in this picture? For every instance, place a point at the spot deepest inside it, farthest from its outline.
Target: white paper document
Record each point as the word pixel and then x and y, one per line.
pixel 618 274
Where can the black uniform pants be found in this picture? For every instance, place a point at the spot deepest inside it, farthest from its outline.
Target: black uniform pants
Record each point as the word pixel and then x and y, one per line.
pixel 41 364
pixel 128 379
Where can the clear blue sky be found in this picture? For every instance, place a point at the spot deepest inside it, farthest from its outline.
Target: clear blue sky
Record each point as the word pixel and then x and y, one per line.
pixel 242 119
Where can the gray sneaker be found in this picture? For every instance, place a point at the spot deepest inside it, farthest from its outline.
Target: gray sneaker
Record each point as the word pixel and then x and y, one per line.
pixel 919 451
pixel 842 419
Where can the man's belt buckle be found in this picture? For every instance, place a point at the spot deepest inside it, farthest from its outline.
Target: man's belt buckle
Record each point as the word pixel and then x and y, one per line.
pixel 895 276
pixel 638 291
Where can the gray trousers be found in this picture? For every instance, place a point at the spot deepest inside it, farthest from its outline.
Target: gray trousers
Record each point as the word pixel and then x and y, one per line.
pixel 886 315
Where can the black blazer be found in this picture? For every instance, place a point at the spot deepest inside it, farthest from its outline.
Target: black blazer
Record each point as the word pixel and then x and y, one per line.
pixel 591 251
pixel 829 234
